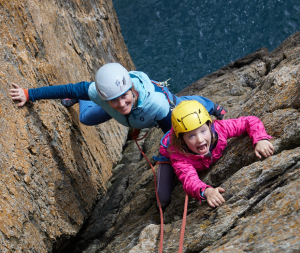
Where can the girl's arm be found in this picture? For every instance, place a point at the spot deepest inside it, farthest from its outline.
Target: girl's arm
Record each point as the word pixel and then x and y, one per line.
pixel 189 178
pixel 78 90
pixel 252 126
pixel 193 186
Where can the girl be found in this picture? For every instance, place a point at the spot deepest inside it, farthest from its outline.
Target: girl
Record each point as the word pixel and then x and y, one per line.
pixel 195 143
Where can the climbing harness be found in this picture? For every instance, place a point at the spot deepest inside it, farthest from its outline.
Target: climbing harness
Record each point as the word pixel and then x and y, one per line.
pixel 135 135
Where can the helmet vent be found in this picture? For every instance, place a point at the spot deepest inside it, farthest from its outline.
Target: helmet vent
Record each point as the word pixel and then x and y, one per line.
pixel 123 84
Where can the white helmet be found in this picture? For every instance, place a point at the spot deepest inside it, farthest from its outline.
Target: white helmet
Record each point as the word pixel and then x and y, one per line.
pixel 112 80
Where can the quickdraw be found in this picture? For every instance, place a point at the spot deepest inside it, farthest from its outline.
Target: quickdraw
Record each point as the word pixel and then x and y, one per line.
pixel 164 89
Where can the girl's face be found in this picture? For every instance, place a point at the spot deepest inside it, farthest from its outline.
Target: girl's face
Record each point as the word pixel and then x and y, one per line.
pixel 122 104
pixel 198 140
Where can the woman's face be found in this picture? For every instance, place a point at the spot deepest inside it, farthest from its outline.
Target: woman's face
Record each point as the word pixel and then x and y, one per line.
pixel 122 104
pixel 198 140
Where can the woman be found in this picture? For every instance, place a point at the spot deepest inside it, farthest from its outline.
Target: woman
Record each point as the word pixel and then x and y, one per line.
pixel 131 98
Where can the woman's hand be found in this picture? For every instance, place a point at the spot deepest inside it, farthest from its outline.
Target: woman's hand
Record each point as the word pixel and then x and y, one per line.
pixel 18 94
pixel 213 196
pixel 263 147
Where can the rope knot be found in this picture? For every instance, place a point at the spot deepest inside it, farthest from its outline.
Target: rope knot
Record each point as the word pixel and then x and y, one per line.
pixel 135 134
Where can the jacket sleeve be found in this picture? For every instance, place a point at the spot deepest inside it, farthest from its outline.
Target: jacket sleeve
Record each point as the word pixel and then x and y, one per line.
pixel 165 123
pixel 250 125
pixel 78 90
pixel 189 178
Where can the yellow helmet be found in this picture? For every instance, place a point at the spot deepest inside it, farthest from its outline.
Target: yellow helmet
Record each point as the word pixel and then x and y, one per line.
pixel 189 115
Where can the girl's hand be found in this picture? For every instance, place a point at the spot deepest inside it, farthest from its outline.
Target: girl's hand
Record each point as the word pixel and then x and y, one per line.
pixel 263 147
pixel 214 197
pixel 18 94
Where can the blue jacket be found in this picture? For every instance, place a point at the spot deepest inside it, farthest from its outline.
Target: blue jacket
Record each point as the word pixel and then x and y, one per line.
pixel 153 106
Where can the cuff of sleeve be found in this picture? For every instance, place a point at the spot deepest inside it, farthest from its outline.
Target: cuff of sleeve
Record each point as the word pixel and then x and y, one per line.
pixel 201 192
pixel 266 137
pixel 26 94
pixel 202 195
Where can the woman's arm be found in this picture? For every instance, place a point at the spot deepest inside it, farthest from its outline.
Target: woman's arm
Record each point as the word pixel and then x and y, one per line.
pixel 78 90
pixel 165 123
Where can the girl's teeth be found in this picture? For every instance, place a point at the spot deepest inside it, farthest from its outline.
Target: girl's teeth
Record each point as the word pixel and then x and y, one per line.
pixel 202 147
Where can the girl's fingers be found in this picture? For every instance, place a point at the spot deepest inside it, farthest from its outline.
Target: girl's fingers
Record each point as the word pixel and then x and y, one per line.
pixel 221 189
pixel 211 203
pixel 257 154
pixel 220 200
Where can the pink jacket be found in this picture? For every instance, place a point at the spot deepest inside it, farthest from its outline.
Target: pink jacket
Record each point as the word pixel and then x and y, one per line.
pixel 186 166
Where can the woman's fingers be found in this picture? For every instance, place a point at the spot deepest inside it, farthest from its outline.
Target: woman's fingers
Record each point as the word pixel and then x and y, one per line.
pixel 21 104
pixel 15 86
pixel 16 95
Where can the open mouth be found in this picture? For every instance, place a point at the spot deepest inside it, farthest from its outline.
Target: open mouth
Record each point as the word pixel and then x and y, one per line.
pixel 202 148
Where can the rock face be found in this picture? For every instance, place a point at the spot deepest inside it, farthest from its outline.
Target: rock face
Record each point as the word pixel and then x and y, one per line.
pixel 55 194
pixel 53 169
pixel 261 212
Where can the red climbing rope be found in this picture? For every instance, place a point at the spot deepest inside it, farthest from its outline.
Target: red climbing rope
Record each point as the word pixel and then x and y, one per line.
pixel 183 223
pixel 135 136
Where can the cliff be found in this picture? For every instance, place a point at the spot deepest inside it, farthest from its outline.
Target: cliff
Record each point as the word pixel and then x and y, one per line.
pixel 53 169
pixel 261 212
pixel 66 187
